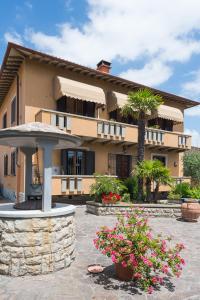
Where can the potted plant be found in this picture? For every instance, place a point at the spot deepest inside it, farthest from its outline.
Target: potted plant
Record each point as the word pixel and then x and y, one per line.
pixel 104 185
pixel 137 255
pixel 111 198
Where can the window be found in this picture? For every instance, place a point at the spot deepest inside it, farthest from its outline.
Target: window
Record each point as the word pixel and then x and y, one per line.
pixel 78 162
pixel 77 107
pixel 4 125
pixel 13 164
pixel 118 117
pixel 120 165
pixel 13 110
pixel 161 158
pixel 5 165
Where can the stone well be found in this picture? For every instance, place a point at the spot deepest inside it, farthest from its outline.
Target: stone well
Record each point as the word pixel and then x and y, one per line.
pixel 35 242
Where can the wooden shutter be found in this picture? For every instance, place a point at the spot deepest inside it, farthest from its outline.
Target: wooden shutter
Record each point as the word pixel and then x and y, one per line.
pixel 64 161
pixel 89 162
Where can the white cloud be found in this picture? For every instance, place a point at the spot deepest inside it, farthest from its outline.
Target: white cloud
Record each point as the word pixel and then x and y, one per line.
pixel 153 73
pixel 128 30
pixel 13 37
pixel 192 87
pixel 28 4
pixel 195 136
pixel 193 112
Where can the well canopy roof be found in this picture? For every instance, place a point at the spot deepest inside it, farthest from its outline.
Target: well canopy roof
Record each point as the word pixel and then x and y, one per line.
pixel 78 90
pixel 37 134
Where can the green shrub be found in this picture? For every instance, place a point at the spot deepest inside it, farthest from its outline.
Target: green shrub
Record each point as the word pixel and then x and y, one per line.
pixel 126 197
pixel 185 191
pixel 195 192
pixel 174 196
pixel 105 185
pixel 132 186
pixel 182 189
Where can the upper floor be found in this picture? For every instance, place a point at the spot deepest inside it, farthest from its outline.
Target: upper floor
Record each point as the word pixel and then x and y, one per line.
pixel 34 85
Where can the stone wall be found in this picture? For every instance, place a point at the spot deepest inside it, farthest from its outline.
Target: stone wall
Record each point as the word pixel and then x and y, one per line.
pixel 151 210
pixel 36 245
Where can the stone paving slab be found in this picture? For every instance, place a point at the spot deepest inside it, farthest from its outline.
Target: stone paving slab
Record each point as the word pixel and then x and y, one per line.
pixel 75 283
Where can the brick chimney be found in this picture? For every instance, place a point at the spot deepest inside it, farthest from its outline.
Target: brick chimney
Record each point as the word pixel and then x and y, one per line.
pixel 104 66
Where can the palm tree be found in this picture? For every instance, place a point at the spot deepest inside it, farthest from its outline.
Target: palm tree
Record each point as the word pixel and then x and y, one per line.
pixel 144 170
pixel 153 171
pixel 139 105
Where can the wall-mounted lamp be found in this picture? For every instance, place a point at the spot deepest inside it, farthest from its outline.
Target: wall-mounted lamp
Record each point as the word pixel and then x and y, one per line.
pixel 124 149
pixel 175 164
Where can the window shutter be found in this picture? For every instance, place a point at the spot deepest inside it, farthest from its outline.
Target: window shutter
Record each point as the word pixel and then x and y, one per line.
pixel 64 161
pixel 90 162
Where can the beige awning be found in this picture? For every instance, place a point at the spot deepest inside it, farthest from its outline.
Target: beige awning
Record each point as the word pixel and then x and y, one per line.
pixel 169 113
pixel 77 90
pixel 116 100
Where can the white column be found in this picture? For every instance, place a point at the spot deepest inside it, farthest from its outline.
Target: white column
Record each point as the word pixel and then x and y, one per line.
pixel 47 175
pixel 28 152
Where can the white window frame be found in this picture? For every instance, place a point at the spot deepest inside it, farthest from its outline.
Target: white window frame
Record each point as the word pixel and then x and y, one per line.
pixel 163 155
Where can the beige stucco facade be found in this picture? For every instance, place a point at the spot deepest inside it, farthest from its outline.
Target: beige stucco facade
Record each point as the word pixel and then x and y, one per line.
pixel 37 103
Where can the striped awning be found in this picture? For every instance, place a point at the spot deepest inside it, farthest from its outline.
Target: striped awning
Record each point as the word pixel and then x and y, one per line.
pixel 169 113
pixel 77 90
pixel 116 100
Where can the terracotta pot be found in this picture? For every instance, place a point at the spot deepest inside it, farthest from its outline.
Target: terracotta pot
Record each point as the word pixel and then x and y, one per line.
pixel 190 210
pixel 125 274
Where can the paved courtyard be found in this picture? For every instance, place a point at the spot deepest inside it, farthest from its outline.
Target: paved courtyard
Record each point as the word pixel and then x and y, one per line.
pixel 75 283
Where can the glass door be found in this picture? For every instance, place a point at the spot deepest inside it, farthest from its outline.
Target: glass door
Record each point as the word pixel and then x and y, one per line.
pixel 75 162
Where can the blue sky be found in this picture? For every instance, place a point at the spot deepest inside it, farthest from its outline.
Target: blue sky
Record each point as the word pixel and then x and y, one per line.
pixel 155 44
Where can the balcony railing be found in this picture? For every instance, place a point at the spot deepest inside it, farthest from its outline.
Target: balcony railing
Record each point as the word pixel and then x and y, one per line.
pixel 105 130
pixel 112 129
pixel 154 135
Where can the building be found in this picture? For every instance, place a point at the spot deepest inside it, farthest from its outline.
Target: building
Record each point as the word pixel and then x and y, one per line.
pixel 85 102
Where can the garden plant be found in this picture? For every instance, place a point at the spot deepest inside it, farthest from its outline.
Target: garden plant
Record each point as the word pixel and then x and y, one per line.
pixel 139 105
pixel 130 244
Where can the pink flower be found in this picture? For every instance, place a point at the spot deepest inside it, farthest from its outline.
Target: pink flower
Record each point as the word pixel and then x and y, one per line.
pixel 150 290
pixel 147 262
pixel 137 275
pixel 182 261
pixel 155 280
pixel 113 257
pixel 165 269
pixel 124 264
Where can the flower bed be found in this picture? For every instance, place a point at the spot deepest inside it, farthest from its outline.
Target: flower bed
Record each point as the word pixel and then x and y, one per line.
pixel 152 210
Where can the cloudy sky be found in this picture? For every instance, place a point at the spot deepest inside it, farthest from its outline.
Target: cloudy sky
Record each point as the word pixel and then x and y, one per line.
pixel 153 42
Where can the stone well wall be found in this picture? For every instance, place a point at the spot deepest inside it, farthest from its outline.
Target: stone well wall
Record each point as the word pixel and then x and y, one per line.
pixel 151 210
pixel 36 245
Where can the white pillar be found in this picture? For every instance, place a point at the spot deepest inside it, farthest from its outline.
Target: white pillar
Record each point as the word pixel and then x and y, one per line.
pixel 28 152
pixel 47 176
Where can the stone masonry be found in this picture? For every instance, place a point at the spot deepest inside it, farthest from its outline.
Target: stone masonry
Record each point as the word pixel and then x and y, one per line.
pixel 36 245
pixel 150 210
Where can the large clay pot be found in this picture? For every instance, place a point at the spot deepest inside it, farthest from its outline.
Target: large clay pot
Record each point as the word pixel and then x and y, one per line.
pixel 190 210
pixel 125 274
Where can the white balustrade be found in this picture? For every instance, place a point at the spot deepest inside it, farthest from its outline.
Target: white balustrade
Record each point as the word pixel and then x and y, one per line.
pixel 112 129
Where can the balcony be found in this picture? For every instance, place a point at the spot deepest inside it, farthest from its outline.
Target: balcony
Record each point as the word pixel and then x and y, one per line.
pixel 104 131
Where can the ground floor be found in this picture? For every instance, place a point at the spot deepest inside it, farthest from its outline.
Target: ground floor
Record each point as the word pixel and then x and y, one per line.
pixel 75 283
pixel 73 169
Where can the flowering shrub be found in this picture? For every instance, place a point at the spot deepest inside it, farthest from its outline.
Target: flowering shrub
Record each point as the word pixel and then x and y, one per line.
pixel 131 244
pixel 110 198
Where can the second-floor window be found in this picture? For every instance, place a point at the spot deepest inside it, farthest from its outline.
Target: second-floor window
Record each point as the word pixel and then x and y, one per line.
pixel 4 121
pixel 76 107
pixel 13 110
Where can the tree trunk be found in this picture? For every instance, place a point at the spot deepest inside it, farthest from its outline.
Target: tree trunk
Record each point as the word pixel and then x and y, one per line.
pixel 156 191
pixel 148 189
pixel 140 150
